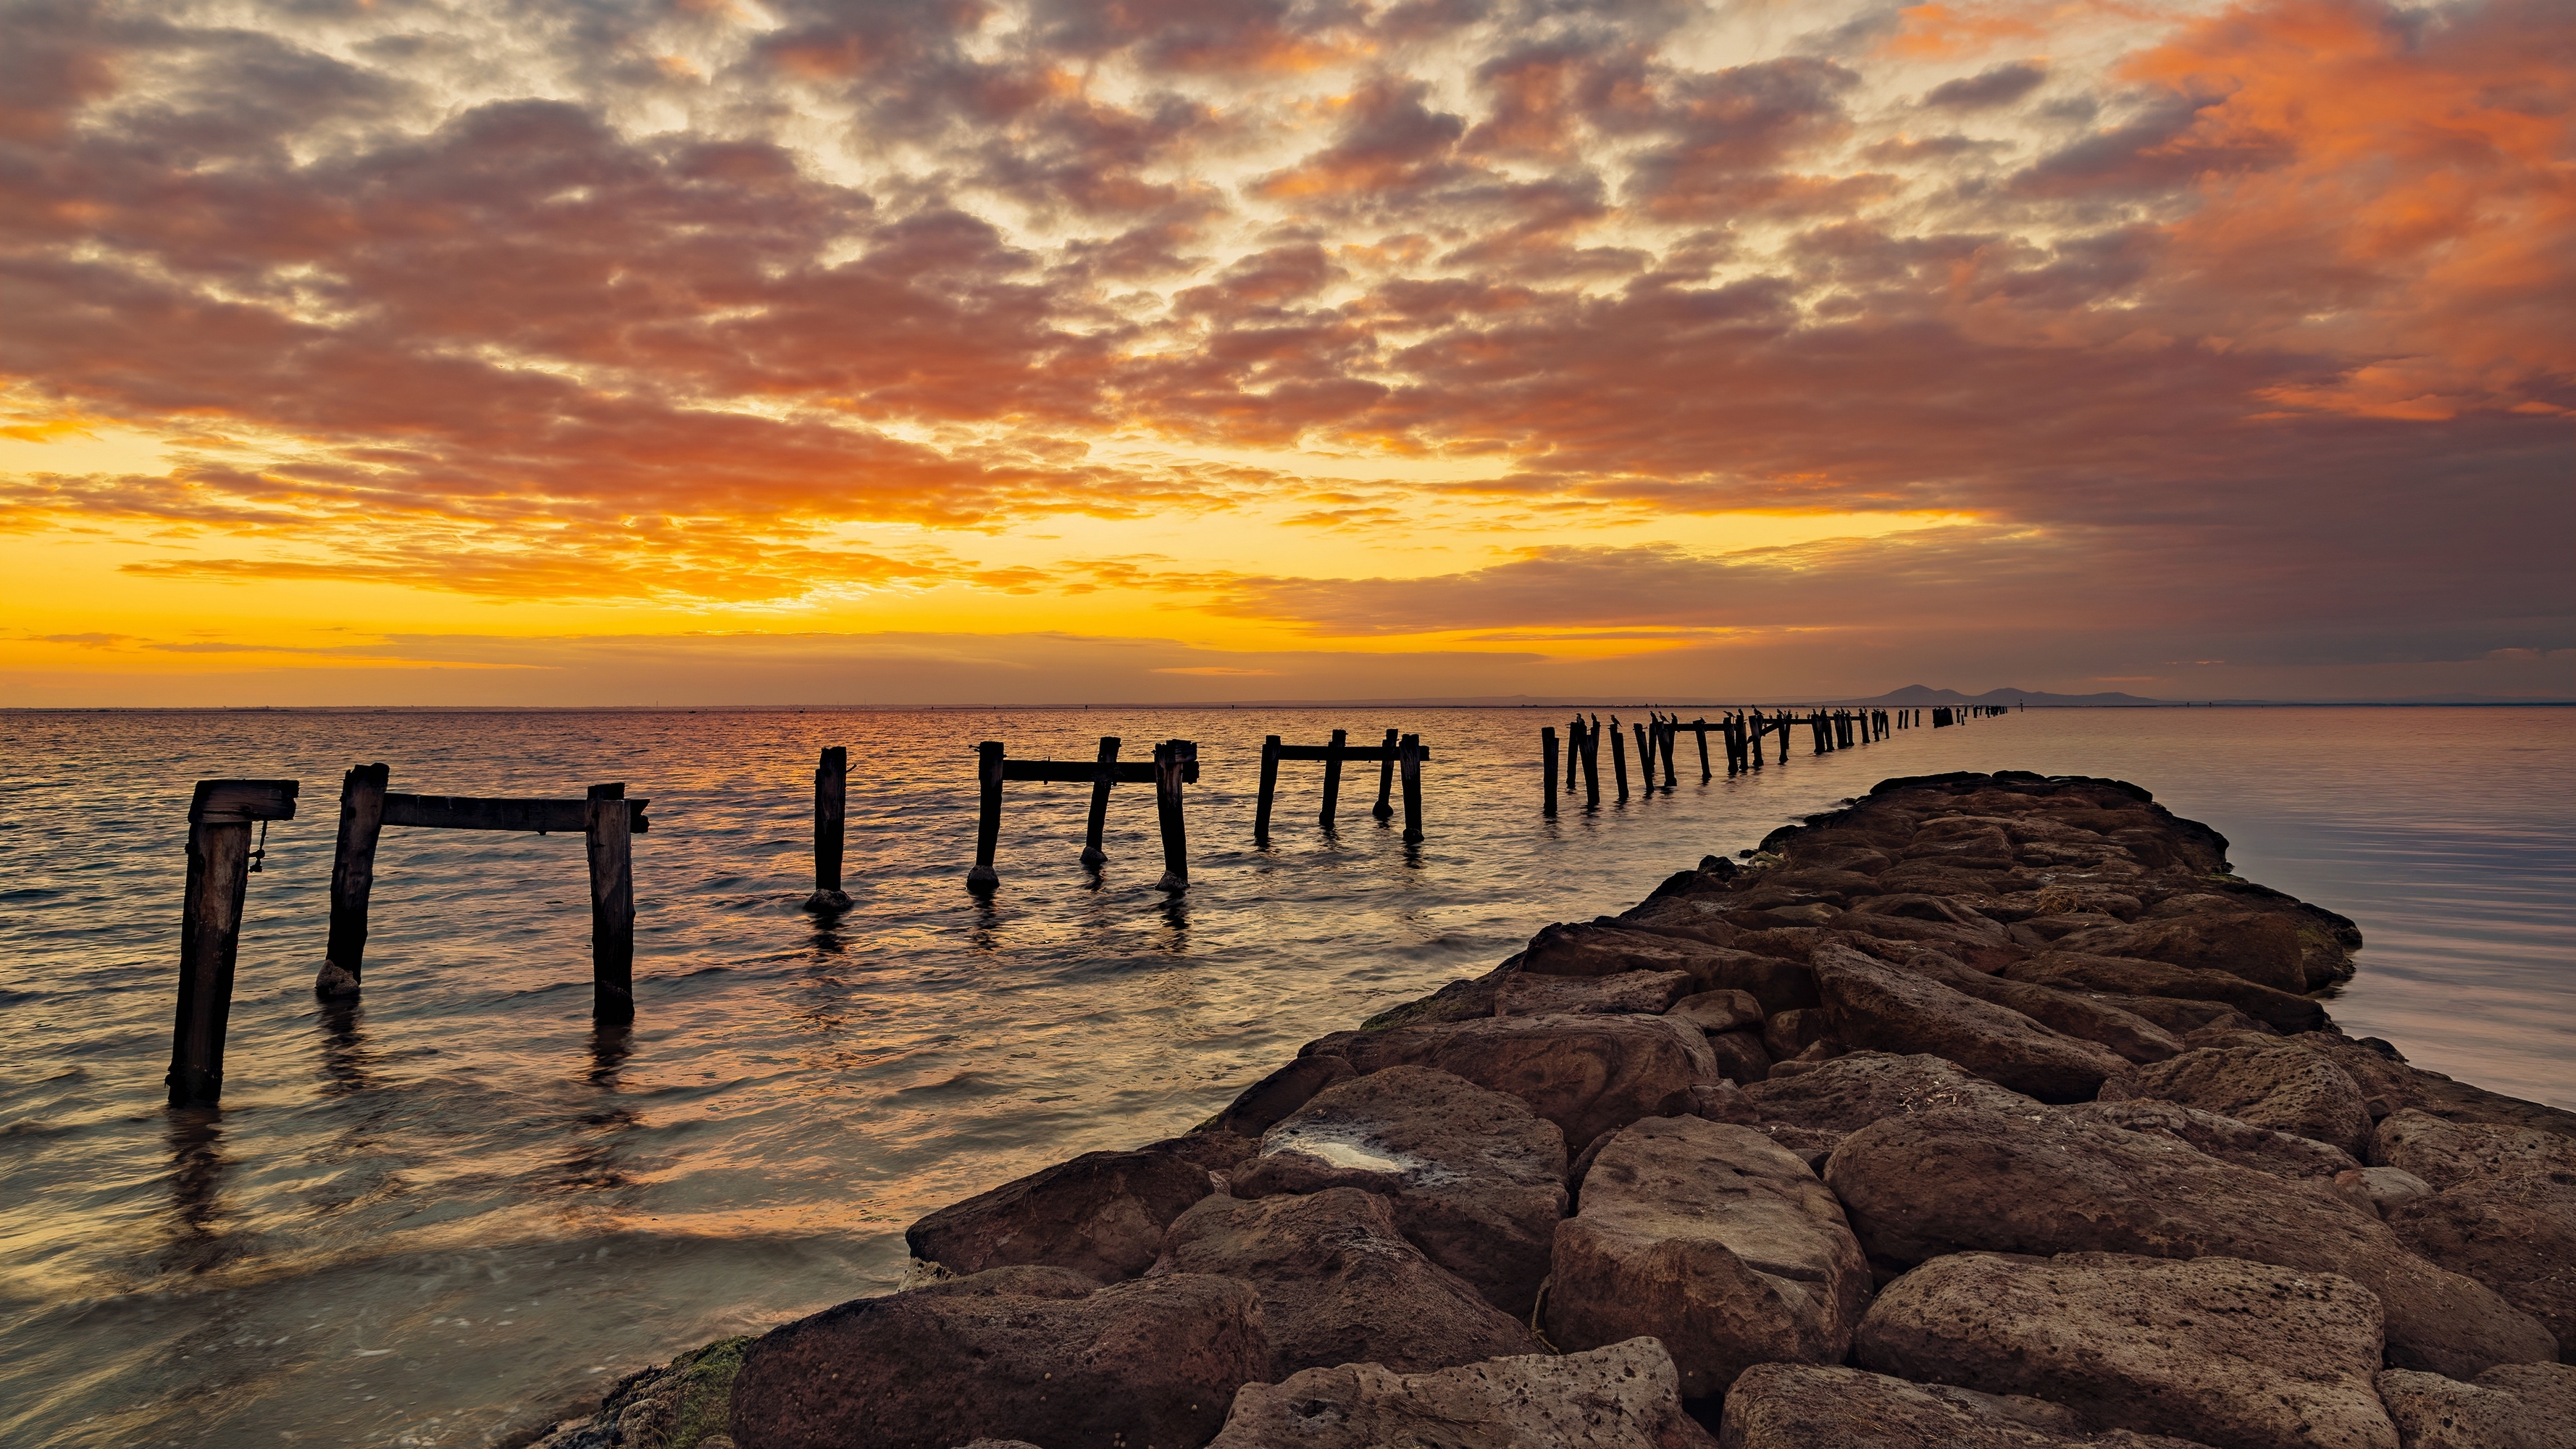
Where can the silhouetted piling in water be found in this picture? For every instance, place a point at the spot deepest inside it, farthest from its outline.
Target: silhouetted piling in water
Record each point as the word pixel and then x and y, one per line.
pixel 1546 769
pixel 220 860
pixel 1385 778
pixel 831 803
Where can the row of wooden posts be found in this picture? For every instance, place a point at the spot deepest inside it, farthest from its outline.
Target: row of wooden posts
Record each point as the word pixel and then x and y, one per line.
pixel 223 813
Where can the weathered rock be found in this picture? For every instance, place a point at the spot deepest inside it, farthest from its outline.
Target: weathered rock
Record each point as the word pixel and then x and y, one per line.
pixel 1153 1361
pixel 1859 1088
pixel 2380 1188
pixel 1620 1397
pixel 1101 1214
pixel 2511 1406
pixel 1717 1102
pixel 1787 1033
pixel 2177 1015
pixel 2516 1234
pixel 1810 1145
pixel 1587 1074
pixel 1603 949
pixel 2389 1085
pixel 1872 1004
pixel 1712 1239
pixel 2222 1351
pixel 1650 992
pixel 1741 1058
pixel 683 1402
pixel 1799 1406
pixel 2261 948
pixel 1718 1011
pixel 1261 1105
pixel 1458 1001
pixel 2281 1154
pixel 2281 1086
pixel 1339 1283
pixel 1951 1180
pixel 2446 1154
pixel 1476 1181
pixel 2070 1013
pixel 2129 976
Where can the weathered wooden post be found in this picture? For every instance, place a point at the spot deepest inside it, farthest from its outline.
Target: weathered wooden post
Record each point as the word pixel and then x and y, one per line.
pixel 1645 757
pixel 353 877
pixel 1619 758
pixel 612 904
pixel 1573 751
pixel 1547 768
pixel 1385 778
pixel 1171 759
pixel 1332 777
pixel 219 821
pixel 1670 729
pixel 1591 762
pixel 1699 727
pixel 988 817
pixel 1756 732
pixel 1105 775
pixel 831 808
pixel 1411 748
pixel 1269 787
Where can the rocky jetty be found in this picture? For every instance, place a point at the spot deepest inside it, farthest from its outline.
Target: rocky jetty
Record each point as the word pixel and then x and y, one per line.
pixel 1992 1110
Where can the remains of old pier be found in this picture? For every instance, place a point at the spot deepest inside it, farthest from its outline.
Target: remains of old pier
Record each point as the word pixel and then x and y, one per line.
pixel 1176 763
pixel 1333 754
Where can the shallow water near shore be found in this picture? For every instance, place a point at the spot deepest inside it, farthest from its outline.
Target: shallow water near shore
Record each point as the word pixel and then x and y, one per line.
pixel 447 1213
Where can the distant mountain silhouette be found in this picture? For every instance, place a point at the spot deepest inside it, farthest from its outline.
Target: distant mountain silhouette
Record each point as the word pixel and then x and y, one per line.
pixel 1915 696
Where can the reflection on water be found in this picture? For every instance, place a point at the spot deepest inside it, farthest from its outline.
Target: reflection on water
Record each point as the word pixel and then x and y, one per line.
pixel 437 1213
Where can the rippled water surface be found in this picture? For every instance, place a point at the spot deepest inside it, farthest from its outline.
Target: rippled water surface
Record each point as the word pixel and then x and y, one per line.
pixel 444 1214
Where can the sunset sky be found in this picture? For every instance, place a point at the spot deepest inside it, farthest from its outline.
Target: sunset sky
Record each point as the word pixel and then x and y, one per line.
pixel 902 351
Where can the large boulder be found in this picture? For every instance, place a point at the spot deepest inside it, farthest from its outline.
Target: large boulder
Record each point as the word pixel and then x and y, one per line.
pixel 1800 1406
pixel 1872 1004
pixel 1603 949
pixel 1716 1012
pixel 2514 1233
pixel 2511 1406
pixel 2071 1013
pixel 2389 1085
pixel 1525 993
pixel 1587 1074
pixel 1259 1107
pixel 2226 1352
pixel 2281 1086
pixel 1856 1089
pixel 1953 1181
pixel 2260 948
pixel 2134 976
pixel 1709 1237
pixel 1620 1397
pixel 1474 1179
pixel 2281 1154
pixel 2446 1154
pixel 1339 1283
pixel 1154 1361
pixel 1101 1214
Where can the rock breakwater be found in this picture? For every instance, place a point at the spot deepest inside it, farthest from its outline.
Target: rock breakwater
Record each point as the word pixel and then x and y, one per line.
pixel 1988 1110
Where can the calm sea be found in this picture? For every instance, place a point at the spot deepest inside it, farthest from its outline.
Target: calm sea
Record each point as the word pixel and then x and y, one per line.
pixel 442 1215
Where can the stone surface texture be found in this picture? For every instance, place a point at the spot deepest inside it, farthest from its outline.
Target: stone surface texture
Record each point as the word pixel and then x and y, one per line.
pixel 2221 1351
pixel 1952 1180
pixel 1798 1406
pixel 1587 1074
pixel 2516 1233
pixel 1101 1214
pixel 2446 1153
pixel 2516 1406
pixel 2282 1154
pixel 1713 1239
pixel 1340 1284
pixel 2281 1086
pixel 1875 1005
pixel 1858 1088
pixel 1624 1396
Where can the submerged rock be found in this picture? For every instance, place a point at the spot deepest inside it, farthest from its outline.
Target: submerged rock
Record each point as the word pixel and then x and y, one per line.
pixel 1950 1181
pixel 1624 1396
pixel 1339 1283
pixel 2220 1351
pixel 1473 1177
pixel 1154 1361
pixel 1713 1240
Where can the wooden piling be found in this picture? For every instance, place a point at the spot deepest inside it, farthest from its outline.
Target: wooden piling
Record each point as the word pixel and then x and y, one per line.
pixel 1106 775
pixel 1411 749
pixel 353 878
pixel 1619 758
pixel 831 809
pixel 612 905
pixel 1547 769
pixel 1591 753
pixel 1332 777
pixel 1699 727
pixel 1573 752
pixel 1269 788
pixel 1671 728
pixel 1171 760
pixel 219 827
pixel 988 817
pixel 1645 758
pixel 1385 778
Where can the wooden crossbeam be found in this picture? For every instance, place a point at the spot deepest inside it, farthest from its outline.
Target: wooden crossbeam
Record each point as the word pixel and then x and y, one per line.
pixel 1369 753
pixel 467 812
pixel 1088 772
